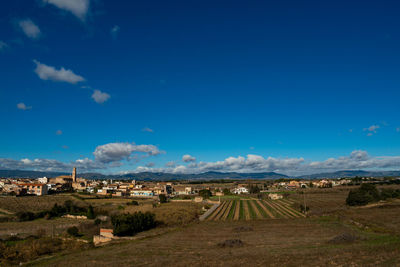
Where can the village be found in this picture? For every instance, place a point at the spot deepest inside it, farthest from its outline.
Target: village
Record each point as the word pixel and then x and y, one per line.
pixel 133 188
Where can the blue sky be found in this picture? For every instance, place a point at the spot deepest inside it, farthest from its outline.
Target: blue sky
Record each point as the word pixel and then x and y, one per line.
pixel 300 86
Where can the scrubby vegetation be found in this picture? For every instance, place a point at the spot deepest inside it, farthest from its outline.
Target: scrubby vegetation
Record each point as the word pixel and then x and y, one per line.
pixel 58 210
pixel 130 224
pixel 205 193
pixel 15 250
pixel 368 193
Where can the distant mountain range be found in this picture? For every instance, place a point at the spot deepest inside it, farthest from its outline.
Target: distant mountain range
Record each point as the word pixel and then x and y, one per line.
pixel 159 176
pixel 355 173
pixel 147 175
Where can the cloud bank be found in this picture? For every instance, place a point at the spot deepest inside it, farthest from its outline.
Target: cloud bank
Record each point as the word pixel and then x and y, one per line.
pixel 114 154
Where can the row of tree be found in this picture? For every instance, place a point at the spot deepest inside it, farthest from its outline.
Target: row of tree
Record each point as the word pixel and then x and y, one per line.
pixel 57 211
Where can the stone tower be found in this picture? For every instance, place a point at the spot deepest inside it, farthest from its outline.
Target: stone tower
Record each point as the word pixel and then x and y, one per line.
pixel 74 175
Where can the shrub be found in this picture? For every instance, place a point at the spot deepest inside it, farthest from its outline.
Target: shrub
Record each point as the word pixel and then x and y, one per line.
pixel 130 224
pixel 254 189
pixel 304 209
pixel 162 198
pixel 133 203
pixel 90 213
pixel 205 193
pixel 26 216
pixel 367 193
pixel 226 192
pixel 73 231
pixel 390 193
pixel 358 198
pixel 371 190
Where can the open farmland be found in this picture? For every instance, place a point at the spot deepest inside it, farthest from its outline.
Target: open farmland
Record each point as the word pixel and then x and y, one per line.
pixel 248 209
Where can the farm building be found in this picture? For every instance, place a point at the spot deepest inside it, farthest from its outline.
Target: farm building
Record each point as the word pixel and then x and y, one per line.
pixel 240 190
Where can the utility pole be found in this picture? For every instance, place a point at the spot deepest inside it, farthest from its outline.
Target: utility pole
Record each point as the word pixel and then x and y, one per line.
pixel 304 199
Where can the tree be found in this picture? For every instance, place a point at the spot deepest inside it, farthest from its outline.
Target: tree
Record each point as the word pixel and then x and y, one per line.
pixel 130 224
pixel 205 193
pixel 226 192
pixel 371 190
pixel 362 196
pixel 254 189
pixel 162 198
pixel 90 213
pixel 358 198
pixel 73 231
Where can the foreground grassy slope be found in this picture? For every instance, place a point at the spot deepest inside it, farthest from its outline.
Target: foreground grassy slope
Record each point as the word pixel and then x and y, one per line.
pixel 280 242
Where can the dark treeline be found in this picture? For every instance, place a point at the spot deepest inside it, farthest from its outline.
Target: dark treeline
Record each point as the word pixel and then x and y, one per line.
pixel 57 211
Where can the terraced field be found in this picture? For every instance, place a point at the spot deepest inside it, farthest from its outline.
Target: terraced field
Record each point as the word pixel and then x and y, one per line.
pixel 250 209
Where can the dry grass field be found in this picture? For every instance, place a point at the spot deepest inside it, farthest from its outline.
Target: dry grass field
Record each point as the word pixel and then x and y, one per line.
pixel 54 226
pixel 280 242
pixel 34 203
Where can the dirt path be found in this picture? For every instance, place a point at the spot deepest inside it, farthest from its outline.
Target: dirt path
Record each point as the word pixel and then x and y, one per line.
pixel 286 201
pixel 228 209
pixel 282 209
pixel 222 211
pixel 291 210
pixel 265 209
pixel 256 210
pixel 275 209
pixel 215 213
pixel 237 211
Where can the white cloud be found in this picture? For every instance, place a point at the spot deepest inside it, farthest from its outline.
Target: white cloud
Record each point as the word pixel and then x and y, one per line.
pixel 22 106
pixel 100 97
pixel 147 129
pixel 29 28
pixel 114 31
pixel 46 72
pixel 358 159
pixel 113 152
pixel 150 164
pixel 372 129
pixel 3 45
pixel 77 7
pixel 188 158
pixel 59 132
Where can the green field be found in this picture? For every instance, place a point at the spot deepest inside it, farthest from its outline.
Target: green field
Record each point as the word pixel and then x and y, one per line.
pixel 254 209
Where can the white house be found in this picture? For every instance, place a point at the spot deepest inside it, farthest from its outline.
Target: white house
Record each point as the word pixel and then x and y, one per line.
pixel 240 190
pixel 43 180
pixel 275 196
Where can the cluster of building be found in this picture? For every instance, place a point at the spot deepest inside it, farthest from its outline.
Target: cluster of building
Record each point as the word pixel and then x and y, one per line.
pixel 68 183
pixel 43 186
pixel 324 183
pixel 141 189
